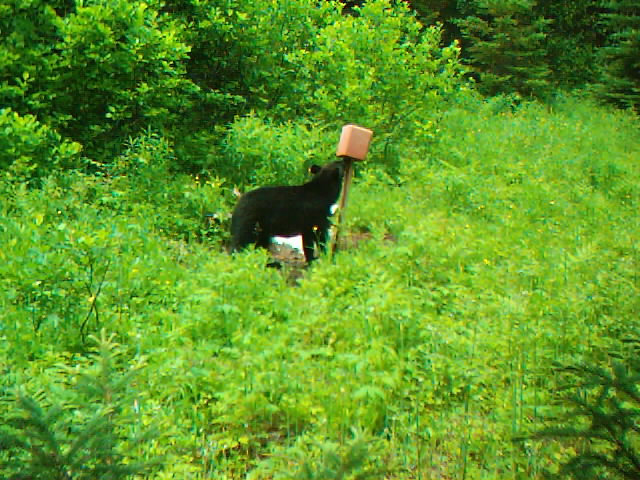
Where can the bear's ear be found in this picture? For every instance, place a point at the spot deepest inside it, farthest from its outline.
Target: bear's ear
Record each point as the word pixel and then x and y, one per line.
pixel 313 169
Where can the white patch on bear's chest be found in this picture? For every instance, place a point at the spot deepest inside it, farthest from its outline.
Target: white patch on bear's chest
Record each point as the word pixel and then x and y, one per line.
pixel 293 242
pixel 296 242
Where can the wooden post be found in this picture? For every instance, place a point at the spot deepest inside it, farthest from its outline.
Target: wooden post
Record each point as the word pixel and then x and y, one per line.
pixel 342 206
pixel 353 146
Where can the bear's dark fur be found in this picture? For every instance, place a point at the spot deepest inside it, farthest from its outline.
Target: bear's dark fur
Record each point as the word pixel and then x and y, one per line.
pixel 288 211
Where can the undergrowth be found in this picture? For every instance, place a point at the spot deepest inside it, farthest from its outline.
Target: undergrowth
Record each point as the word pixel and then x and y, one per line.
pixel 506 246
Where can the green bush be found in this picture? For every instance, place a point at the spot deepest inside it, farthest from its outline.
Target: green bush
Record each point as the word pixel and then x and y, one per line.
pixel 241 49
pixel 302 68
pixel 378 69
pixel 120 69
pixel 147 180
pixel 67 252
pixel 108 70
pixel 26 55
pixel 361 457
pixel 97 72
pixel 30 150
pixel 257 151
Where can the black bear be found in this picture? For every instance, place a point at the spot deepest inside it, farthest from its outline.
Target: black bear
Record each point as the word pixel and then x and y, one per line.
pixel 288 211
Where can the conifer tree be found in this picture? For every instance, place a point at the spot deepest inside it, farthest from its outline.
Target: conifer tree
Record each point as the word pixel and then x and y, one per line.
pixel 506 44
pixel 573 40
pixel 85 432
pixel 620 81
pixel 601 416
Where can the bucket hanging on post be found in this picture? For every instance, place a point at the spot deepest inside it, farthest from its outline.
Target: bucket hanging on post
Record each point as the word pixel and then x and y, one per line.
pixel 353 146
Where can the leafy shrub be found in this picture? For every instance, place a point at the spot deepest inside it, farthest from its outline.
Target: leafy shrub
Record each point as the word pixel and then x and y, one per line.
pixel 257 151
pixel 97 72
pixel 26 51
pixel 109 69
pixel 378 69
pixel 120 69
pixel 146 179
pixel 30 150
pixel 241 49
pixel 302 67
pixel 238 60
pixel 361 456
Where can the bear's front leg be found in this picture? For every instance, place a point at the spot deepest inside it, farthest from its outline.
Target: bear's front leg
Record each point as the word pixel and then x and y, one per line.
pixel 308 245
pixel 322 238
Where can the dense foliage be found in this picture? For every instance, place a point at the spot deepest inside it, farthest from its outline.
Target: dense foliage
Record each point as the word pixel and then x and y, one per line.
pixel 533 46
pixel 507 47
pixel 621 78
pixel 482 322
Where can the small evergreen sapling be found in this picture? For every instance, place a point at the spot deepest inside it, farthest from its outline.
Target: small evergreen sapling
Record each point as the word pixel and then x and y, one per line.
pixel 603 417
pixel 84 435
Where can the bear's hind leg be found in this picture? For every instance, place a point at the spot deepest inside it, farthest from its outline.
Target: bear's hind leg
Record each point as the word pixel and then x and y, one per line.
pixel 262 238
pixel 243 234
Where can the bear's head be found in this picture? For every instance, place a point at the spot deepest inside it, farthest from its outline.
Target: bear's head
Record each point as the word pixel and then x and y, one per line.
pixel 327 180
pixel 329 173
